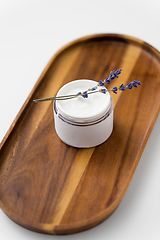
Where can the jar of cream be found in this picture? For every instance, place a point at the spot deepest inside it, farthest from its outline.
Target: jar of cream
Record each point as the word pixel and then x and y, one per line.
pixel 83 122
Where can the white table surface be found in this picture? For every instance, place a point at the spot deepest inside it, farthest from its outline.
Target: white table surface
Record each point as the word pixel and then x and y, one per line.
pixel 31 31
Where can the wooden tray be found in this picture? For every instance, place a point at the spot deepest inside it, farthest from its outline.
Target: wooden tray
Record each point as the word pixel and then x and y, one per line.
pixel 49 187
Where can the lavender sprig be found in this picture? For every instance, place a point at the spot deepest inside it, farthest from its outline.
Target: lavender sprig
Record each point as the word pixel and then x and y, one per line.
pixel 113 75
pixel 123 87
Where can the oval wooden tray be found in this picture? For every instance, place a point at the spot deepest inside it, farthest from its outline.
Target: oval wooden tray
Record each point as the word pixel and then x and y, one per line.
pixel 49 187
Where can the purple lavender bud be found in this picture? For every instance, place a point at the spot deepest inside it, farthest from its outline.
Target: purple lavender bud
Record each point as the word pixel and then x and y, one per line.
pixel 112 75
pixel 85 94
pixel 118 71
pixel 107 80
pixel 122 87
pixel 114 89
pixel 134 83
pixel 101 83
pixel 129 85
pixel 103 91
pixel 138 82
pixel 79 93
pixel 93 89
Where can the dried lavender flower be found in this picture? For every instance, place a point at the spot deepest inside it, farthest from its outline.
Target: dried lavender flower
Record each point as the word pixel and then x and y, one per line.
pixel 107 80
pixel 113 74
pixel 129 86
pixel 101 83
pixel 114 90
pixel 103 90
pixel 122 87
pixel 85 94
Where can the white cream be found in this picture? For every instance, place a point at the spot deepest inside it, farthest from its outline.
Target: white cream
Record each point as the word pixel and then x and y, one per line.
pixel 83 122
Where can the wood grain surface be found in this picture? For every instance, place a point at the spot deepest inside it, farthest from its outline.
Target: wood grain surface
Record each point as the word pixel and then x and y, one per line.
pixel 49 187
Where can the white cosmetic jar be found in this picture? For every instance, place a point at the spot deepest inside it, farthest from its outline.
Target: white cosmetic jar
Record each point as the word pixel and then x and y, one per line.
pixel 83 122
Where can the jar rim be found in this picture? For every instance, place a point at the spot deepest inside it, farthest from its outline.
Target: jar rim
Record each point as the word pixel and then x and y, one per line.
pixel 87 123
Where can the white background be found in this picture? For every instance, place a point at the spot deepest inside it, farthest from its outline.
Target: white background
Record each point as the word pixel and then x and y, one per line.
pixel 31 31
